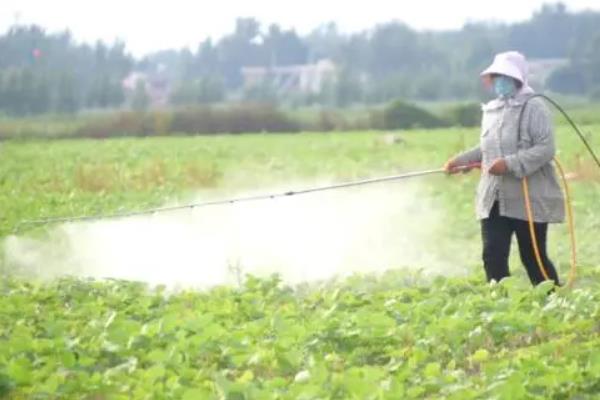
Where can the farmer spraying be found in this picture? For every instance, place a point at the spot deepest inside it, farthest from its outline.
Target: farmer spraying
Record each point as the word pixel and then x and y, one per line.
pixel 517 141
pixel 518 192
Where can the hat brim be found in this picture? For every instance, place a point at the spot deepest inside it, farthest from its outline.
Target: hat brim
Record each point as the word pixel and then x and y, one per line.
pixel 503 69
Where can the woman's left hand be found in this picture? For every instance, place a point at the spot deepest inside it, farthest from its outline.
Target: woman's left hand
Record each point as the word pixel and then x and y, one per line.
pixel 498 167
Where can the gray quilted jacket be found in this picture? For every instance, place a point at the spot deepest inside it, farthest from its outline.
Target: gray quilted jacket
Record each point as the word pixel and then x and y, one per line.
pixel 531 156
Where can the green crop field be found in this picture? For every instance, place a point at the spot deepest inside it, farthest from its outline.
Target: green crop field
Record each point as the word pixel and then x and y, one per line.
pixel 393 335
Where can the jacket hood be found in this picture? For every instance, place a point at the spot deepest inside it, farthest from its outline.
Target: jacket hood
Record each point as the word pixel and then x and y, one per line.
pixel 511 63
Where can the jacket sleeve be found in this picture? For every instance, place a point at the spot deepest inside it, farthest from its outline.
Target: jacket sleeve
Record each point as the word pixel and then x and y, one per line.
pixel 538 125
pixel 469 157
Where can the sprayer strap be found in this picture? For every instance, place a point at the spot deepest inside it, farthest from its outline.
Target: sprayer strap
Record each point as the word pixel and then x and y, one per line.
pixel 521 115
pixel 567 117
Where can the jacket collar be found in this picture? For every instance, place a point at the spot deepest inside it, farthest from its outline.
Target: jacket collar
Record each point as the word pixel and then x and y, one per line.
pixel 516 101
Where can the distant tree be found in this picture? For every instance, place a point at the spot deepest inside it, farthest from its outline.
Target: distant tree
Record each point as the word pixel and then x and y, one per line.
pixel 240 49
pixel 15 96
pixel 354 54
pixel 548 34
pixel 67 100
pixel 41 102
pixel 567 80
pixel 206 61
pixel 205 90
pixel 140 100
pixel 183 94
pixel 348 89
pixel 34 63
pixel 429 87
pixel 284 47
pixel 211 90
pixel 391 59
pixel 582 76
pixel 263 93
pixel 592 60
pixel 326 41
pixel 393 48
pixel 392 87
pixel 479 52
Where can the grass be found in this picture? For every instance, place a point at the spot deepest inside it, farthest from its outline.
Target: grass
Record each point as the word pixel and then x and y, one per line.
pixel 366 337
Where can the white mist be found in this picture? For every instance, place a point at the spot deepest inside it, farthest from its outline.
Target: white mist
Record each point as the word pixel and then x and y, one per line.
pixel 303 238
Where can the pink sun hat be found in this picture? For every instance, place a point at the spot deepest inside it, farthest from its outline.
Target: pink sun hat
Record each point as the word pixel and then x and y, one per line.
pixel 510 63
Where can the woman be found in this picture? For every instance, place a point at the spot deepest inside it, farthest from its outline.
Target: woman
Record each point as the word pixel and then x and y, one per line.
pixel 505 159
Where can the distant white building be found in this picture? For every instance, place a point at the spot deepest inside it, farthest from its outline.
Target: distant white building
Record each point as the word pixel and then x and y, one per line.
pixel 157 87
pixel 306 78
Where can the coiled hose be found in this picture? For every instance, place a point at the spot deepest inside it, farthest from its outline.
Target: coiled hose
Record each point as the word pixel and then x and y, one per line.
pixel 567 194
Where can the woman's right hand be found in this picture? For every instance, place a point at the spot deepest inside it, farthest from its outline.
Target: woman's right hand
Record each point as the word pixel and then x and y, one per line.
pixel 452 167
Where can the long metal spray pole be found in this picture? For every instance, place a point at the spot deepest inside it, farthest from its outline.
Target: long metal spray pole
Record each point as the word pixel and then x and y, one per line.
pixel 47 221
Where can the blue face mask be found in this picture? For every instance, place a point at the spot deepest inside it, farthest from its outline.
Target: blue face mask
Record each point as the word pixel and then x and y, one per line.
pixel 504 86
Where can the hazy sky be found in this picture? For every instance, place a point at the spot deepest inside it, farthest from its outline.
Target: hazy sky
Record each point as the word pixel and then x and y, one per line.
pixel 155 24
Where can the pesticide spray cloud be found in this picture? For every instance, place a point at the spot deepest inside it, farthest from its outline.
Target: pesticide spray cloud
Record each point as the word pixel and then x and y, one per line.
pixel 304 238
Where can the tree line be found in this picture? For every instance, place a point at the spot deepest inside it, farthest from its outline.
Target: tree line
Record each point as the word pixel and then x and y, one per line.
pixel 41 72
pixel 50 72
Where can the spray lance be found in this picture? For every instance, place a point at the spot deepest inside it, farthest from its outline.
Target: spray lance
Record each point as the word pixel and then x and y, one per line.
pixel 236 200
pixel 529 212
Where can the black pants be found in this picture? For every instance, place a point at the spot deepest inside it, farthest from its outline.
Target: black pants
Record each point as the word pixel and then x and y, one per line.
pixel 497 232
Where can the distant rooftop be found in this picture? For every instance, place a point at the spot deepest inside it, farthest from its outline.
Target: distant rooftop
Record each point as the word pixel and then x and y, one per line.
pixel 305 78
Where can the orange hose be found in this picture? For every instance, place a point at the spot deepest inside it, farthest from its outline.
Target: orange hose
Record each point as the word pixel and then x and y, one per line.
pixel 571 223
pixel 536 249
